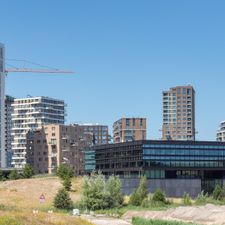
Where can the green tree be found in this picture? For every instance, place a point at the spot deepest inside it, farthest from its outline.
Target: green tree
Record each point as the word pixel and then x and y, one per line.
pixel 14 175
pixel 94 192
pixel 62 200
pixel 28 171
pixel 140 193
pixel 114 197
pixel 159 196
pixel 218 193
pixel 64 171
pixel 2 177
pixel 67 183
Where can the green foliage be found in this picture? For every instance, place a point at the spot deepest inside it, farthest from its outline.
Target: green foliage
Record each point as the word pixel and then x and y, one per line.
pixel 202 199
pixel 140 193
pixel 14 175
pixel 186 199
pixel 6 220
pixel 94 192
pixel 64 171
pixel 99 194
pixel 141 221
pixel 135 198
pixel 62 200
pixel 114 197
pixel 159 196
pixel 218 193
pixel 28 171
pixel 67 183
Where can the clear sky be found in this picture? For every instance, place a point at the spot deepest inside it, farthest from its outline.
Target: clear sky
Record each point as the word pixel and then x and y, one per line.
pixel 124 52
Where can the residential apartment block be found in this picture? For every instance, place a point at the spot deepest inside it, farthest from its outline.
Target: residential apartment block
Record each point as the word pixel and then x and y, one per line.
pixel 2 106
pixel 220 136
pixel 129 129
pixel 100 133
pixel 53 145
pixel 30 114
pixel 8 129
pixel 179 113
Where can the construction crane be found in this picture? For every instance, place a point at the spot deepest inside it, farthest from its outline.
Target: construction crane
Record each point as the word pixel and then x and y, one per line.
pixel 3 72
pixel 25 69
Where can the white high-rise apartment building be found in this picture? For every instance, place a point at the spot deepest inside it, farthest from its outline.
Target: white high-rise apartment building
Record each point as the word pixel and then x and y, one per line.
pixel 30 114
pixel 2 106
pixel 220 136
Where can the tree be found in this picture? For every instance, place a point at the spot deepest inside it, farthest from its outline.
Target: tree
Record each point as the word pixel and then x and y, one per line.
pixel 140 193
pixel 159 196
pixel 64 171
pixel 114 197
pixel 14 175
pixel 218 193
pixel 67 183
pixel 94 192
pixel 28 171
pixel 2 177
pixel 62 200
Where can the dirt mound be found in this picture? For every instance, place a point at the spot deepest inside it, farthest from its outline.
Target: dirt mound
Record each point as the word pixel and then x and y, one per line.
pixel 208 214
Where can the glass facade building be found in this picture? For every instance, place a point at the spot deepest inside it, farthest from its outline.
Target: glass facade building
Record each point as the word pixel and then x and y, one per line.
pixel 164 160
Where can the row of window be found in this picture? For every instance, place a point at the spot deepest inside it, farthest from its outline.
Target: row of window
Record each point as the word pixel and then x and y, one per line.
pixel 188 146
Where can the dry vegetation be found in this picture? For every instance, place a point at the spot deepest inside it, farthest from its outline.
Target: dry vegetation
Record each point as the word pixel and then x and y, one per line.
pixel 19 200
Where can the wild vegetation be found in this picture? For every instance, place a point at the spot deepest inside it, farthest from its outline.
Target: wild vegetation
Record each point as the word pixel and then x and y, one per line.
pixel 141 221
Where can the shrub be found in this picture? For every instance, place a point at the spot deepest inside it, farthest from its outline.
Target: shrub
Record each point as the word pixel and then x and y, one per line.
pixel 186 199
pixel 99 194
pixel 114 197
pixel 135 199
pixel 218 193
pixel 159 196
pixel 202 198
pixel 14 175
pixel 67 183
pixel 64 171
pixel 62 200
pixel 140 193
pixel 28 171
pixel 94 192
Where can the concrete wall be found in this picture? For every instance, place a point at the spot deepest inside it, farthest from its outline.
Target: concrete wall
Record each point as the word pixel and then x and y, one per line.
pixel 171 187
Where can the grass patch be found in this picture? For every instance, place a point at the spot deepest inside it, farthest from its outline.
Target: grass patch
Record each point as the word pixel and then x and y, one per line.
pixel 141 221
pixel 118 212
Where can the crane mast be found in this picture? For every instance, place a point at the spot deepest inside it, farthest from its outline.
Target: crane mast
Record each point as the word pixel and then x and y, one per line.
pixel 3 72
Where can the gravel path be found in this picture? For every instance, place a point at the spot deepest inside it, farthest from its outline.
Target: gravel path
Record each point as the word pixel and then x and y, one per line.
pixel 102 220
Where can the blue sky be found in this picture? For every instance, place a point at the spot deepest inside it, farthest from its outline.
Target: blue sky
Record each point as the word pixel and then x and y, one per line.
pixel 124 52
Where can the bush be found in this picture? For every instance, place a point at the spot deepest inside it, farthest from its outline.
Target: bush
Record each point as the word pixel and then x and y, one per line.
pixel 62 200
pixel 28 171
pixel 14 175
pixel 98 194
pixel 94 192
pixel 159 196
pixel 67 183
pixel 135 199
pixel 218 193
pixel 140 193
pixel 186 199
pixel 114 197
pixel 64 171
pixel 201 199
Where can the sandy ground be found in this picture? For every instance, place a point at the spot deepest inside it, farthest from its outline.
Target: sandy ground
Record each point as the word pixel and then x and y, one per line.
pixel 102 220
pixel 208 214
pixel 25 193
